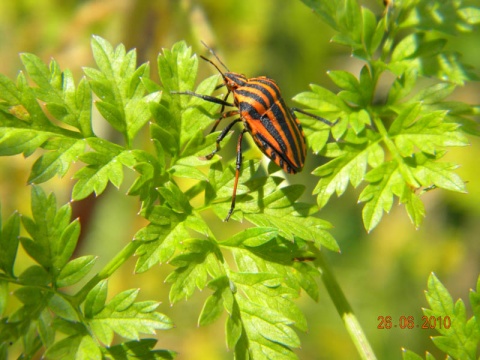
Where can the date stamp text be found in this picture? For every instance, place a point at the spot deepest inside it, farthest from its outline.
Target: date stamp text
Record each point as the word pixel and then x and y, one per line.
pixel 409 322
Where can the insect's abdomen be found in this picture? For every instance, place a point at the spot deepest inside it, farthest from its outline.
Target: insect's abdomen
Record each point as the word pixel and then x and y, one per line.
pixel 274 128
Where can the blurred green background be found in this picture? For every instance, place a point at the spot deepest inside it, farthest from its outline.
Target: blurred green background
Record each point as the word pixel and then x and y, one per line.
pixel 383 273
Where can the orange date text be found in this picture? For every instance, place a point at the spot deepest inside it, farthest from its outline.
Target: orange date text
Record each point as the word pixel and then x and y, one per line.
pixel 409 322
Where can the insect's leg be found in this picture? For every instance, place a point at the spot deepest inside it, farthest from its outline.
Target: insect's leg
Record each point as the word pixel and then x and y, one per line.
pixel 222 135
pixel 238 166
pixel 204 97
pixel 224 116
pixel 224 99
pixel 294 109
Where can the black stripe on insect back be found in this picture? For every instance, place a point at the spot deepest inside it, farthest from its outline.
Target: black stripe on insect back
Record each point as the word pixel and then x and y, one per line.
pixel 250 109
pixel 271 84
pixel 274 153
pixel 251 95
pixel 291 133
pixel 263 89
pixel 272 130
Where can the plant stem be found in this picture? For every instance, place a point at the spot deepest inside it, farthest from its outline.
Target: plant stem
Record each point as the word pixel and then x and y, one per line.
pixel 108 270
pixel 344 309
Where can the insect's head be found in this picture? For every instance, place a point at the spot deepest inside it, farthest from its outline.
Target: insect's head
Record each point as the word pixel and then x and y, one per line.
pixel 231 80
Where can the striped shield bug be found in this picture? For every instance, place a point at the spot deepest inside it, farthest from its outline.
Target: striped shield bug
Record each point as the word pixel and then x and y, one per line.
pixel 259 105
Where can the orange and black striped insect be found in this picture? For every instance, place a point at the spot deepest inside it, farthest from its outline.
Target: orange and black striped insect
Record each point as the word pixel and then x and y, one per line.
pixel 274 127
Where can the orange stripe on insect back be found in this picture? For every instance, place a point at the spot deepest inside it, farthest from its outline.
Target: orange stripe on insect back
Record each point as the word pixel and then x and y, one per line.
pixel 253 96
pixel 267 84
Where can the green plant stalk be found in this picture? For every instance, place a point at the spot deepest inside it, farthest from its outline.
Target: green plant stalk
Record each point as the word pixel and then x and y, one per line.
pixel 344 309
pixel 107 271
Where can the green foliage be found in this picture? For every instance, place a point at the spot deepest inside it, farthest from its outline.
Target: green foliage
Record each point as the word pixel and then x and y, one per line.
pixel 392 142
pixel 267 274
pixel 459 337
pixel 46 307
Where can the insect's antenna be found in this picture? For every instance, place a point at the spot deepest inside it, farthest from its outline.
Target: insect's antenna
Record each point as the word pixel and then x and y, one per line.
pixel 216 57
pixel 211 62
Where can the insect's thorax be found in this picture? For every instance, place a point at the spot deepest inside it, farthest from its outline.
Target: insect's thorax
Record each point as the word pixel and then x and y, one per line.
pixel 256 94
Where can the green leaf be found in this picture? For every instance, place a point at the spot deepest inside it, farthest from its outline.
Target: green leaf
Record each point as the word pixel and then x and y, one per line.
pixel 36 276
pixel 8 91
pixel 17 141
pixel 470 14
pixel 233 327
pixel 261 313
pixel 196 115
pixel 163 137
pixel 4 296
pixel 36 69
pixel 268 332
pixel 292 224
pixel 75 270
pixel 127 318
pixel 427 134
pixel 447 17
pixel 63 153
pixel 405 118
pixel 409 355
pixel 220 186
pixel 53 237
pixel 344 80
pixel 212 309
pixel 278 209
pixel 142 348
pixel 64 348
pixel 62 308
pixel 175 198
pixel 460 339
pixel 178 68
pixel 402 86
pixel 475 299
pixel 323 100
pixel 45 328
pixel 327 10
pixel 113 115
pixel 252 237
pixel 192 272
pixel 57 89
pixel 373 32
pixel 414 206
pixel 88 349
pixel 434 93
pixel 306 276
pixel 264 290
pixel 349 19
pixel 144 185
pixel 104 165
pixel 118 84
pixel 9 238
pixel 378 195
pixel 429 58
pixel 161 238
pixel 335 175
pixel 283 197
pixel 188 172
pixel 95 300
pixel 439 174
